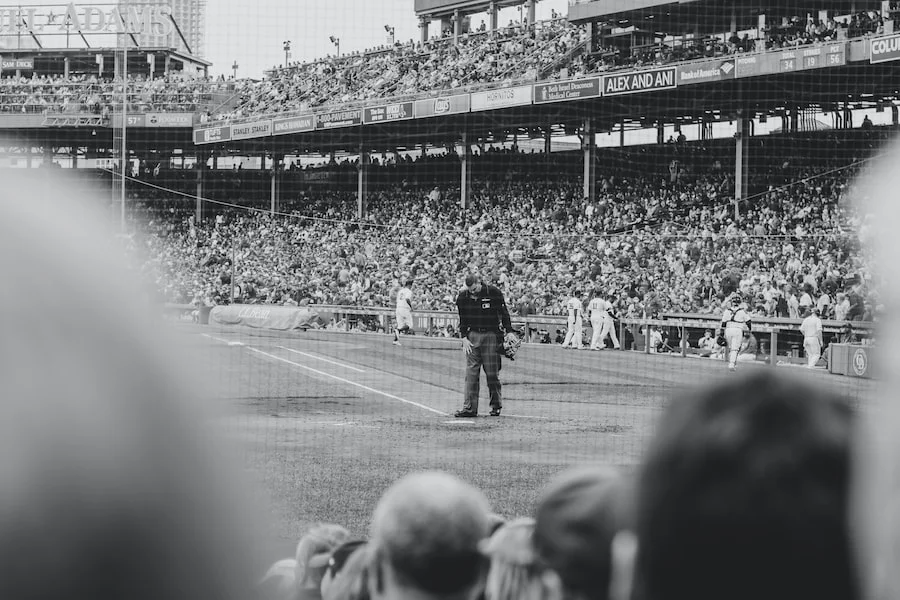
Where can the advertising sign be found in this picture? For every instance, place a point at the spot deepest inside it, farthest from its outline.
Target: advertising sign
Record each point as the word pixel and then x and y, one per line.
pixel 748 66
pixel 390 112
pixel 884 49
pixel 561 91
pixel 642 81
pixel 13 64
pixel 716 70
pixel 343 118
pixel 293 125
pixel 212 135
pixel 87 19
pixel 515 96
pixel 255 129
pixel 445 105
pixel 168 119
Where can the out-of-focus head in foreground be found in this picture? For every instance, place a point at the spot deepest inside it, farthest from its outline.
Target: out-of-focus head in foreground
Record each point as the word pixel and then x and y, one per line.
pixel 109 485
pixel 876 500
pixel 744 494
pixel 425 539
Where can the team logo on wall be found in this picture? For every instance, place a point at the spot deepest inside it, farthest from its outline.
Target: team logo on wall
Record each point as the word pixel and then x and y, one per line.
pixel 860 362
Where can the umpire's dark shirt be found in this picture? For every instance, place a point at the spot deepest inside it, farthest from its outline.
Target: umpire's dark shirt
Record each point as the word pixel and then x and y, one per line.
pixel 484 311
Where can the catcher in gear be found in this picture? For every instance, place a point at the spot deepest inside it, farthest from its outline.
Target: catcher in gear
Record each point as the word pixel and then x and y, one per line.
pixel 735 321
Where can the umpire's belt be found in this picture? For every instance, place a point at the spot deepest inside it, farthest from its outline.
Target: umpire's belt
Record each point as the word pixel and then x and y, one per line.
pixel 484 330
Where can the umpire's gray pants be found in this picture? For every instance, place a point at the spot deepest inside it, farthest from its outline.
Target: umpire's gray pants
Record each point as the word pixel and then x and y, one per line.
pixel 485 354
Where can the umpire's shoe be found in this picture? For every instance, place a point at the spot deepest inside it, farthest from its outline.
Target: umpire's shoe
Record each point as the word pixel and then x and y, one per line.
pixel 495 412
pixel 465 413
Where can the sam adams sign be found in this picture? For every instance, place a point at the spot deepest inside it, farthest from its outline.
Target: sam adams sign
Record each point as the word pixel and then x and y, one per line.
pixel 150 19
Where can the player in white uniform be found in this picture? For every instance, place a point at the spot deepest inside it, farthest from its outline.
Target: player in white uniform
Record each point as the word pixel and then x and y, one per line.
pixel 597 312
pixel 811 327
pixel 404 311
pixel 602 323
pixel 609 326
pixel 735 321
pixel 575 321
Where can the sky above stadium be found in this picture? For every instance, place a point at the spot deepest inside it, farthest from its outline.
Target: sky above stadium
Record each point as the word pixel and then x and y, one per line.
pixel 252 32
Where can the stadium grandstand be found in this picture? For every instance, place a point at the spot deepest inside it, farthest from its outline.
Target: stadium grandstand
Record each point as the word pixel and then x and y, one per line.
pixel 672 162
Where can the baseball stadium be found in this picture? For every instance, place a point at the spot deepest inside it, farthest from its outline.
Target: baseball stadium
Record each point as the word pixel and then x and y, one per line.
pixel 554 259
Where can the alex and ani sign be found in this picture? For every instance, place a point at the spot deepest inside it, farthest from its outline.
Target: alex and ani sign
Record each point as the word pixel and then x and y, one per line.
pixel 87 19
pixel 643 81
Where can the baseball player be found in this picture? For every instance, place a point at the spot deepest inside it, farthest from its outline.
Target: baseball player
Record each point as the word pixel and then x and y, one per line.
pixel 811 328
pixel 735 321
pixel 404 311
pixel 575 321
pixel 597 313
pixel 609 325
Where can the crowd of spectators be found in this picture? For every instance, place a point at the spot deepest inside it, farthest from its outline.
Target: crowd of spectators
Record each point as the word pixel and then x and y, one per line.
pixel 90 94
pixel 658 243
pixel 509 54
pixel 546 50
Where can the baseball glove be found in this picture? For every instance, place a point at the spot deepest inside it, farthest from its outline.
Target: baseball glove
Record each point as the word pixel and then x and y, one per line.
pixel 510 346
pixel 720 341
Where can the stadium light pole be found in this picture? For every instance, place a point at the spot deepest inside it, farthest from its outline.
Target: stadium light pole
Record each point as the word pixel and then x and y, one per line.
pixel 234 68
pixel 287 52
pixel 337 43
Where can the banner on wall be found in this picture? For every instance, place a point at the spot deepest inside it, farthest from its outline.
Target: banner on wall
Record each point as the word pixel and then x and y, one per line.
pixel 268 316
pixel 641 81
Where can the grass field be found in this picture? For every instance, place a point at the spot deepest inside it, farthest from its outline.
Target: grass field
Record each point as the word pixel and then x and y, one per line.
pixel 328 420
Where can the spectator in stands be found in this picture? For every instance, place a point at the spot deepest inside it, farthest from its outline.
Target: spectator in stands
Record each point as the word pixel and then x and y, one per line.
pixel 749 348
pixel 425 535
pixel 745 489
pixel 846 335
pixel 578 515
pixel 706 345
pixel 106 492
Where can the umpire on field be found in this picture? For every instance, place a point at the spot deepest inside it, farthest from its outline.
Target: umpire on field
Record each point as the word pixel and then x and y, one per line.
pixel 482 314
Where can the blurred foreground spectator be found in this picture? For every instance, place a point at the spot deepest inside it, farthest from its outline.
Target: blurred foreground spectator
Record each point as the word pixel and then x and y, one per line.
pixel 744 494
pixel 110 485
pixel 425 539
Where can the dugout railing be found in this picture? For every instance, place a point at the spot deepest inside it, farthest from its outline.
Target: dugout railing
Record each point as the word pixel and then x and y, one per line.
pixel 682 330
